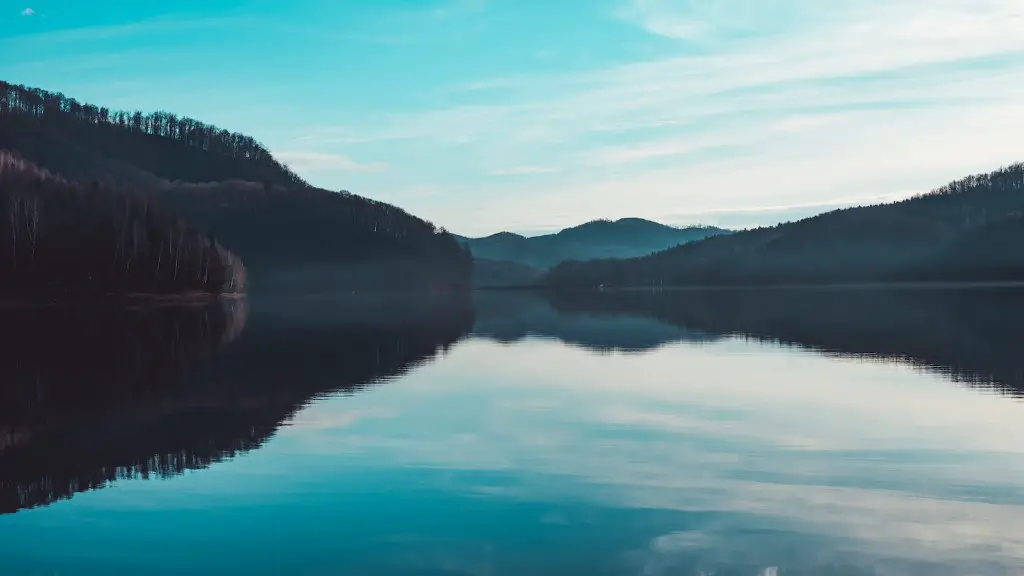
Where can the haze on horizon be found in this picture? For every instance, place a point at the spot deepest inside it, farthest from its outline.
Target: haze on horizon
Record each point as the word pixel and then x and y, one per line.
pixel 531 115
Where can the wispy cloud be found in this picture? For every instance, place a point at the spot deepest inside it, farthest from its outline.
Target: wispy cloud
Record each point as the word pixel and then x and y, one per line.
pixel 522 170
pixel 786 102
pixel 28 12
pixel 320 161
pixel 731 104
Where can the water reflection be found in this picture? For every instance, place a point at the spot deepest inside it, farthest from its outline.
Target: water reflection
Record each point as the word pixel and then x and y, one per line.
pixel 97 394
pixel 589 321
pixel 624 433
pixel 972 336
pixel 90 395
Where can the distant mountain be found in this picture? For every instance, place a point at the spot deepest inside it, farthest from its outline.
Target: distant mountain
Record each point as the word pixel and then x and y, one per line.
pixel 968 230
pixel 625 238
pixel 231 187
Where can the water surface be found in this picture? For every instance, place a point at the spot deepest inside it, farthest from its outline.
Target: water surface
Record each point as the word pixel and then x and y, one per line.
pixel 750 433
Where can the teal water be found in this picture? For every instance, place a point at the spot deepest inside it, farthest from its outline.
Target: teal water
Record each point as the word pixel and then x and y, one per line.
pixel 760 435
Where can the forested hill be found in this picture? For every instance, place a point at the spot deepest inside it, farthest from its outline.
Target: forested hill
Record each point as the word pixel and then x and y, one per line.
pixel 230 186
pixel 969 230
pixel 89 142
pixel 623 238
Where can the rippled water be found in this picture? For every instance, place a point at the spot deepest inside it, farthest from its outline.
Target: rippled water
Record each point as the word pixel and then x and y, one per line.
pixel 750 433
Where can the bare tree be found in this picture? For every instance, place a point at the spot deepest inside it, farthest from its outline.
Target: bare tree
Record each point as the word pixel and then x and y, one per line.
pixel 31 208
pixel 14 212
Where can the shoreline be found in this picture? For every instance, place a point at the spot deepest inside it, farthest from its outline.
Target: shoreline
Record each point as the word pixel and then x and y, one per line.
pixel 722 287
pixel 131 299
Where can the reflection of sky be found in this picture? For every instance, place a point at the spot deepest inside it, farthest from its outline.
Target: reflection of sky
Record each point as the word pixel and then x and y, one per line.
pixel 684 458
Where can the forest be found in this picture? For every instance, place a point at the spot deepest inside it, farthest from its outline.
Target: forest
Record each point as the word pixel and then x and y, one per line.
pixel 88 142
pixel 230 185
pixel 969 230
pixel 61 238
pixel 314 238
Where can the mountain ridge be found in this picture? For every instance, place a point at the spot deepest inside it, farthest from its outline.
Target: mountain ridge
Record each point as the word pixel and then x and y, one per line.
pixel 963 231
pixel 622 238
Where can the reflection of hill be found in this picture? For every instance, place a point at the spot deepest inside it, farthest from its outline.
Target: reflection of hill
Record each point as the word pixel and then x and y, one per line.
pixel 89 392
pixel 82 411
pixel 297 348
pixel 510 316
pixel 975 336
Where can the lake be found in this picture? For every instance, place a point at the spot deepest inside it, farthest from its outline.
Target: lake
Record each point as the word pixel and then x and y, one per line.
pixel 734 432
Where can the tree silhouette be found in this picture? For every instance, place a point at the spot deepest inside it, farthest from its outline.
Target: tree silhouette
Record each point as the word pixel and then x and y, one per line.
pixel 62 238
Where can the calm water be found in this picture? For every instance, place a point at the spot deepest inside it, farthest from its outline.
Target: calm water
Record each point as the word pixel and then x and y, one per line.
pixel 750 433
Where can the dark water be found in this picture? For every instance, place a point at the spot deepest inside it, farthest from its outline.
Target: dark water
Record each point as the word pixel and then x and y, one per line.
pixel 768 433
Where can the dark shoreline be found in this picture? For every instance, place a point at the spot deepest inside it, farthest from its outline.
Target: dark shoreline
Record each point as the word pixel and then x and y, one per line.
pixel 186 299
pixel 748 287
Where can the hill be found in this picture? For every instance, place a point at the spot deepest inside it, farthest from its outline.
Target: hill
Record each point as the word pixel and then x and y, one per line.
pixel 232 187
pixel 625 238
pixel 967 230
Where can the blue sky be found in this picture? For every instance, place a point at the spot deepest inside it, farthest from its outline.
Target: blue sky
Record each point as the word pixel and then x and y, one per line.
pixel 530 115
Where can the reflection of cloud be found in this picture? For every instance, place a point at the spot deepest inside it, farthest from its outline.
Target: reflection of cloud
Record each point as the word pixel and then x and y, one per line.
pixel 311 420
pixel 879 460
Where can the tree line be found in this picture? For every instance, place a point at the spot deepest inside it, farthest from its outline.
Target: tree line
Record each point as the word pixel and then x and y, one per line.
pixel 968 230
pixel 61 238
pixel 37 119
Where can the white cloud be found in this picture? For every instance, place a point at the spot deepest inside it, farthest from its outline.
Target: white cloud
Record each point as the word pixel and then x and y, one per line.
pixel 315 161
pixel 28 12
pixel 522 170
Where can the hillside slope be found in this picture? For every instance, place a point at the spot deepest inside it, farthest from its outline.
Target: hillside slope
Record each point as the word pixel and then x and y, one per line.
pixel 63 239
pixel 968 230
pixel 231 186
pixel 625 238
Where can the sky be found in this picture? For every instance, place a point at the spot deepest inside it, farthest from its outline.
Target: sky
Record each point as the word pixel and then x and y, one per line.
pixel 534 115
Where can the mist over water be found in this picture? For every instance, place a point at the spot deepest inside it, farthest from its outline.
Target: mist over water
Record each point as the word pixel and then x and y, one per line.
pixel 767 432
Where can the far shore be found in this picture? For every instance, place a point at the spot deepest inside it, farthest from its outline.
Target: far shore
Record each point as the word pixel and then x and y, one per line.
pixel 720 287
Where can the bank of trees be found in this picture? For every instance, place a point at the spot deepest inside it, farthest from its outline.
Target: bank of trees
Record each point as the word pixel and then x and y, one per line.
pixel 59 237
pixel 315 239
